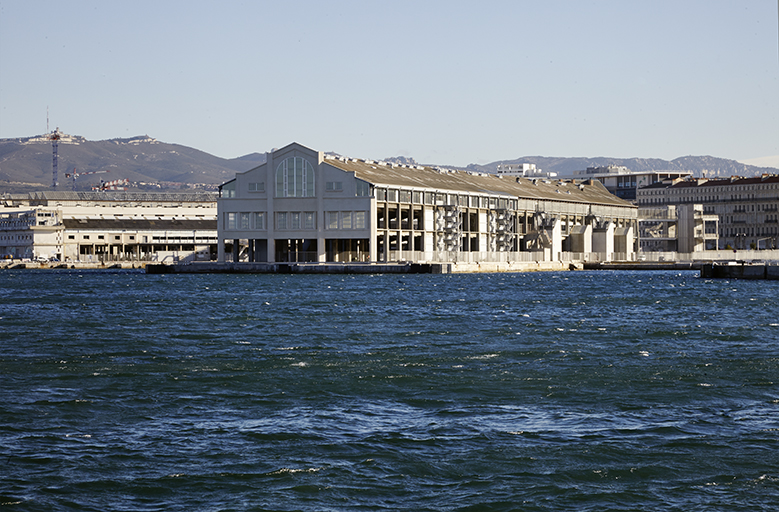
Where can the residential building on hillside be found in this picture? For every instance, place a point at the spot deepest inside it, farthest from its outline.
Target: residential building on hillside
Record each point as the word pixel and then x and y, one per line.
pixel 747 208
pixel 622 182
pixel 305 206
pixel 108 226
pixel 524 170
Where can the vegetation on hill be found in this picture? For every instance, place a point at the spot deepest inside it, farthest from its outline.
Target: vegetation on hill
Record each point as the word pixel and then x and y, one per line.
pixel 26 164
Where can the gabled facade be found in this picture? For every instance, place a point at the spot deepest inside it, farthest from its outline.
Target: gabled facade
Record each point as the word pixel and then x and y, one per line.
pixel 304 206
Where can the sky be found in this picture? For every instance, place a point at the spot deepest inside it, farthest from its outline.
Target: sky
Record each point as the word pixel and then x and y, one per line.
pixel 447 82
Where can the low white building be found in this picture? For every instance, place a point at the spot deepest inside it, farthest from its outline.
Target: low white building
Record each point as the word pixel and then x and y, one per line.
pixel 108 226
pixel 305 206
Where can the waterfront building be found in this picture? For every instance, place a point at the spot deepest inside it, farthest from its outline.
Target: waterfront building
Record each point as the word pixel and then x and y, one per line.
pixel 622 182
pixel 683 228
pixel 747 209
pixel 108 226
pixel 302 205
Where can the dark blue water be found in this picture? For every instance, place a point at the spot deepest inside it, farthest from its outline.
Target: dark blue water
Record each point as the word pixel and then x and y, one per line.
pixel 537 391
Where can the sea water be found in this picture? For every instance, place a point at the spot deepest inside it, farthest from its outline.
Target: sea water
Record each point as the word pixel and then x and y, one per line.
pixel 518 391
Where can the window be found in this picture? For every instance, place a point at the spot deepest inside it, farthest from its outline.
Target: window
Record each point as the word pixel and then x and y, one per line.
pixel 295 178
pixel 332 220
pixel 259 220
pixel 294 220
pixel 231 220
pixel 359 220
pixel 116 237
pixel 257 187
pixel 86 237
pixel 309 220
pixel 392 195
pixel 405 196
pixel 245 216
pixel 281 220
pixel 334 186
pixel 363 189
pixel 71 237
pixel 381 194
pixel 227 190
pixel 101 237
pixel 346 220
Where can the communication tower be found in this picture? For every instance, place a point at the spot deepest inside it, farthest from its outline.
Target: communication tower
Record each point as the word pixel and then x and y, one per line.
pixel 55 136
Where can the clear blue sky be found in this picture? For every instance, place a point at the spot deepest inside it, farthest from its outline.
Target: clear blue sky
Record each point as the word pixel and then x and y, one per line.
pixel 449 82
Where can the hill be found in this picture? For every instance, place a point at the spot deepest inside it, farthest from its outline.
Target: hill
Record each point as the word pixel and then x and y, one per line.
pixel 25 164
pixel 701 166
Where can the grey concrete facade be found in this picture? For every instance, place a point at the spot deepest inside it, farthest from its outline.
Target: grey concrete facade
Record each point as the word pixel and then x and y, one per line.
pixel 305 206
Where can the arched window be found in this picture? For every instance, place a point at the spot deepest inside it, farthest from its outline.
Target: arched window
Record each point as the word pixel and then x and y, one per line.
pixel 295 178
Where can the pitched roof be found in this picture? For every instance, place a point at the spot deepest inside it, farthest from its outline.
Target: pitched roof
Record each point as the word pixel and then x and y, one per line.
pixel 436 178
pixel 142 224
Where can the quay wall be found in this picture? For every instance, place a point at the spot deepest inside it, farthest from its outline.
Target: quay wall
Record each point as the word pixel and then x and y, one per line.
pixel 17 265
pixel 359 268
pixel 740 271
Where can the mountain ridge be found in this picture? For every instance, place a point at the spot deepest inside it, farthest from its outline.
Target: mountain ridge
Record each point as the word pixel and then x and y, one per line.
pixel 26 164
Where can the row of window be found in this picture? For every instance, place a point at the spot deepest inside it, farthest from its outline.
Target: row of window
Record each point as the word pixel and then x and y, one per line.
pixel 295 177
pixel 752 231
pixel 443 199
pixel 295 220
pixel 100 237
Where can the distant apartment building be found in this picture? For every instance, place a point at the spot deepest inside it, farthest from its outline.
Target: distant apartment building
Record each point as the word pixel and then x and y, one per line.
pixel 683 228
pixel 746 209
pixel 622 182
pixel 524 170
pixel 108 226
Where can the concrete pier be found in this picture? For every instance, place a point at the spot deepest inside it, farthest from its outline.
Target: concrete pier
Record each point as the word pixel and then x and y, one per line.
pixel 359 268
pixel 740 270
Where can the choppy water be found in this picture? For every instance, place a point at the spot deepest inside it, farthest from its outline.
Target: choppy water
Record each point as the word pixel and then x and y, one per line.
pixel 538 391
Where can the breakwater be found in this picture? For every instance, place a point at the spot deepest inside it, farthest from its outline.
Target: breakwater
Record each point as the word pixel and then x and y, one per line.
pixel 741 270
pixel 359 268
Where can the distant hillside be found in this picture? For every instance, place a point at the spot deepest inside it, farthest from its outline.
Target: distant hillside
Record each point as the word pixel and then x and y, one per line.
pixel 702 166
pixel 27 163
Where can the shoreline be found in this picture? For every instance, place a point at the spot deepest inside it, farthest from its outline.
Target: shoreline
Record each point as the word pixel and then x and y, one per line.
pixel 708 269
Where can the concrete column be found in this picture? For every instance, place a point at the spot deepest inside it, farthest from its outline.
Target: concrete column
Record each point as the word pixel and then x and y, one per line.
pixel 321 250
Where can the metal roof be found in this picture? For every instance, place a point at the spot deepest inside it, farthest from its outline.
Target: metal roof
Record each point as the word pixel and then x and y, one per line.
pixel 142 224
pixel 449 180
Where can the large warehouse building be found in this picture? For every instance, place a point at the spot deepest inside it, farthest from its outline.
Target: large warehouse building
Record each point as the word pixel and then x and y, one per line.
pixel 108 226
pixel 305 206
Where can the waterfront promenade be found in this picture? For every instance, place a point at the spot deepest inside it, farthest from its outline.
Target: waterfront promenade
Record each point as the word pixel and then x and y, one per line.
pixel 592 261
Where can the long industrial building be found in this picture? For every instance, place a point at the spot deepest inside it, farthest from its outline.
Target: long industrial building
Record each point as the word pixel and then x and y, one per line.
pixel 303 205
pixel 108 226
